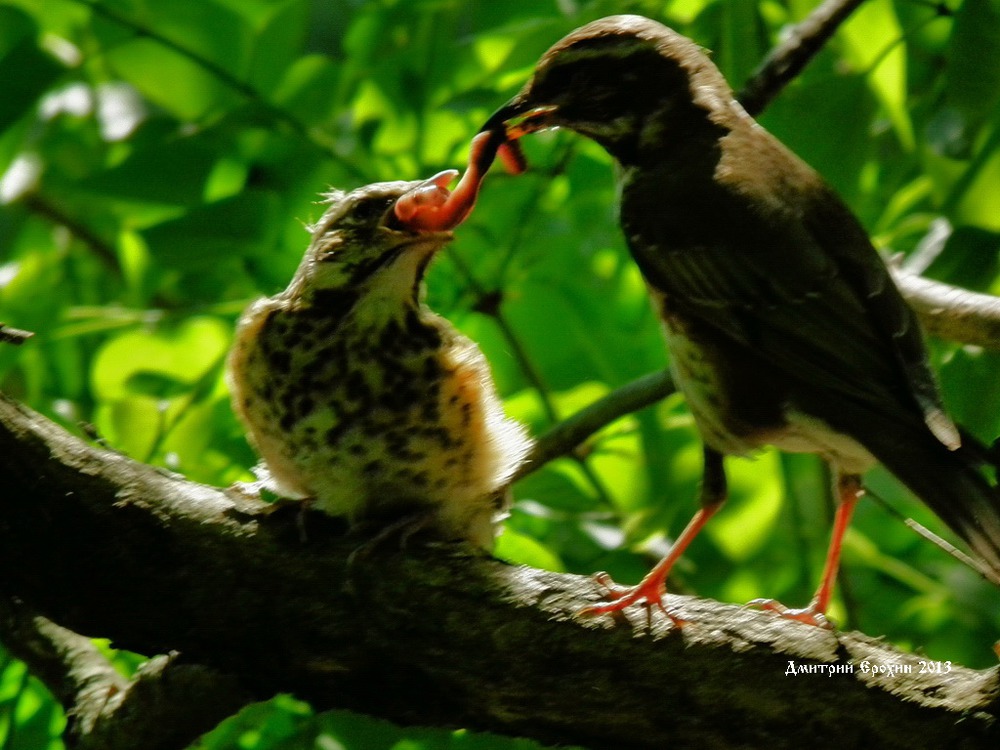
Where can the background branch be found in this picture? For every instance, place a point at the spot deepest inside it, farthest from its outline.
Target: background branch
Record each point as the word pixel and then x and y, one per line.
pixel 16 336
pixel 566 436
pixel 166 705
pixel 72 668
pixel 950 312
pixel 945 311
pixel 786 61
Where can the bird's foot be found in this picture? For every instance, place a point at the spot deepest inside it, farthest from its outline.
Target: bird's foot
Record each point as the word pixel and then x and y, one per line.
pixel 401 530
pixel 649 593
pixel 811 615
pixel 249 490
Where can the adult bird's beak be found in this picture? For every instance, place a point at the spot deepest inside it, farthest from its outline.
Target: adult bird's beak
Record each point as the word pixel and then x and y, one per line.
pixel 515 119
pixel 518 117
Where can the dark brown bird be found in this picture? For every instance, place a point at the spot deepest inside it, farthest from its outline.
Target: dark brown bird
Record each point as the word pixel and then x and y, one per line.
pixel 783 324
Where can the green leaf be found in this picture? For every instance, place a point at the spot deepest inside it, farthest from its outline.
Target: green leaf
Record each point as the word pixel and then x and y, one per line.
pixel 26 71
pixel 523 550
pixel 306 86
pixel 876 45
pixel 973 82
pixel 232 228
pixel 159 175
pixel 137 362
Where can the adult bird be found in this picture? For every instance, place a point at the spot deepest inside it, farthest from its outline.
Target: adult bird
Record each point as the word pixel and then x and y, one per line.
pixel 783 324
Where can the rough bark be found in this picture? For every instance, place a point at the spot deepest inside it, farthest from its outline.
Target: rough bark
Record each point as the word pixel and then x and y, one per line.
pixel 427 634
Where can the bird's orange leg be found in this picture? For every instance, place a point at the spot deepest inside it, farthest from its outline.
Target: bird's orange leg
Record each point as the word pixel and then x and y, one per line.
pixel 849 491
pixel 652 588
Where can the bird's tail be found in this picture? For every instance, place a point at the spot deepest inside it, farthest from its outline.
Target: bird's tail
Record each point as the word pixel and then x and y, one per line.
pixel 953 483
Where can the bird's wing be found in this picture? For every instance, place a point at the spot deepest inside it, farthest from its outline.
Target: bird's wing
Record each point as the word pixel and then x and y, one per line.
pixel 798 282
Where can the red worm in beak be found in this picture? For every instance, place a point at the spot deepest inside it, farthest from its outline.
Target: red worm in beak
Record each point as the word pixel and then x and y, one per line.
pixel 512 157
pixel 431 208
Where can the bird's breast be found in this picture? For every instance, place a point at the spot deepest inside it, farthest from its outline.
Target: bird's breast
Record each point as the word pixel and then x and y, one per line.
pixel 704 377
pixel 359 413
pixel 738 402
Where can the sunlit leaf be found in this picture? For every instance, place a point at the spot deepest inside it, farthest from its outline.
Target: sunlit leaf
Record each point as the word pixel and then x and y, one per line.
pixel 876 45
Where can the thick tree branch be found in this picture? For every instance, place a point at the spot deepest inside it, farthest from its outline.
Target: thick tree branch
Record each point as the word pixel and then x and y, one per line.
pixel 71 667
pixel 433 635
pixel 165 705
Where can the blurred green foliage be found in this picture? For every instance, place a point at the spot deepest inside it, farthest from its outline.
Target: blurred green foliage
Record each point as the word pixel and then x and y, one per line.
pixel 158 162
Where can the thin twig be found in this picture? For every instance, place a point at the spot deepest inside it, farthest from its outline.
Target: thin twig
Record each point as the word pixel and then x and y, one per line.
pixel 788 59
pixel 564 437
pixel 104 251
pixel 14 336
pixel 943 544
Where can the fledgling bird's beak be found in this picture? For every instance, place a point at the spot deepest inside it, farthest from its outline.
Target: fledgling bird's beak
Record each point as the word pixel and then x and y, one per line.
pixel 430 207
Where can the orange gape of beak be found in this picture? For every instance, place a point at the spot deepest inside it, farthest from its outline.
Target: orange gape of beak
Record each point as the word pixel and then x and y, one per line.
pixel 432 208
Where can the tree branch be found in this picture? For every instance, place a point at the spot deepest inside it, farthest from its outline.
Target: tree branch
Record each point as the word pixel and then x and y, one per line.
pixel 787 60
pixel 950 312
pixel 110 547
pixel 166 705
pixel 566 436
pixel 71 667
pixel 14 336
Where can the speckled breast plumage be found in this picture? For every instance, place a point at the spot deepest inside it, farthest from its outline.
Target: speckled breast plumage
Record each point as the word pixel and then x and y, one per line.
pixel 367 415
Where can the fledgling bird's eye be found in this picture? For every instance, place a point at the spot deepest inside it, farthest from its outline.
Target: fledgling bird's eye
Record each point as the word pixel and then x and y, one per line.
pixel 370 210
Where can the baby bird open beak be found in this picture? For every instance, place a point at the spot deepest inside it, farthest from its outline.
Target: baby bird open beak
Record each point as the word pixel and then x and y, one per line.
pixel 430 207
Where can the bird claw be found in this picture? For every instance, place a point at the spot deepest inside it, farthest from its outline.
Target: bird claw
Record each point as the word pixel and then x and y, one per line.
pixel 402 530
pixel 810 615
pixel 648 593
pixel 249 490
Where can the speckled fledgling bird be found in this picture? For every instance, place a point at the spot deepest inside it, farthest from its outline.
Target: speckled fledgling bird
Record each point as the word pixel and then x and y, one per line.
pixel 360 398
pixel 783 324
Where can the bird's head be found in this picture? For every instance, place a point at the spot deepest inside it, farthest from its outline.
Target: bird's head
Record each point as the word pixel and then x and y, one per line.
pixel 622 81
pixel 377 240
pixel 362 243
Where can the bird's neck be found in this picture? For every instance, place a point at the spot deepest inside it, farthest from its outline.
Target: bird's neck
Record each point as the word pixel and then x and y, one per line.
pixel 675 132
pixel 389 293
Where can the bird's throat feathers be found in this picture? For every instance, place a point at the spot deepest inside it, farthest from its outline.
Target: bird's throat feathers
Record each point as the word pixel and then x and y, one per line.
pixel 373 292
